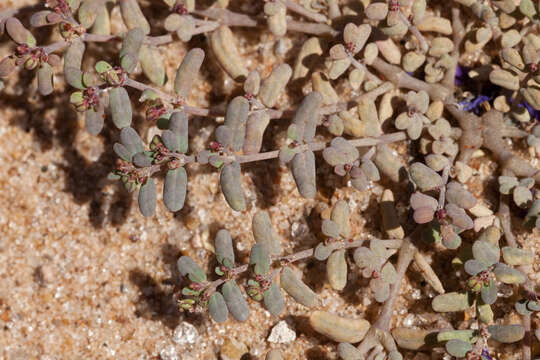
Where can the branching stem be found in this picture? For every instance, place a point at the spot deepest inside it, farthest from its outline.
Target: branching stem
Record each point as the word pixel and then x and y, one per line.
pixel 414 30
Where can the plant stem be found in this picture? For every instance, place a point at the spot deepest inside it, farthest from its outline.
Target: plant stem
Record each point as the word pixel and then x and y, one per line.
pixel 142 87
pixel 363 67
pixel 299 9
pixel 317 146
pixel 406 255
pixel 284 260
pixel 506 224
pixel 401 79
pixel 230 18
pixel 414 30
pixel 459 32
pixel 311 28
pixel 87 37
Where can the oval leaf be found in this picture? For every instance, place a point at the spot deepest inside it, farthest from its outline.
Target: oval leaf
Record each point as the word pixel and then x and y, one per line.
pixel 174 189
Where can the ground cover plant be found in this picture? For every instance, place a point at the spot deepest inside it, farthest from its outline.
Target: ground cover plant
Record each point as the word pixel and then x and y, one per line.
pixel 409 95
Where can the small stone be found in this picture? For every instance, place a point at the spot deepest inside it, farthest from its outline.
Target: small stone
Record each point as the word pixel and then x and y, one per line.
pixel 480 210
pixel 463 172
pixel 281 333
pixel 390 220
pixel 169 353
pixel 233 349
pixel 185 333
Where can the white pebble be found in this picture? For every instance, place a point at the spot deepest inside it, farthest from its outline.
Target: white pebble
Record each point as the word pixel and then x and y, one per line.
pixel 281 333
pixel 185 333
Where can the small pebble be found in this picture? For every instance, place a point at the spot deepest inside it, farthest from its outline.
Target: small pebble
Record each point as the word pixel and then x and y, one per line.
pixel 185 333
pixel 281 333
pixel 233 349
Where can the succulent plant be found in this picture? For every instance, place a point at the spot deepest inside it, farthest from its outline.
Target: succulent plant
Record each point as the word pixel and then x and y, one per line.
pixel 346 81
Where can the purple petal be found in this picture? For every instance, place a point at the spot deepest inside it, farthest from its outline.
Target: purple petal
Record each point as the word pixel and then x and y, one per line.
pixel 475 103
pixel 485 355
pixel 535 114
pixel 461 75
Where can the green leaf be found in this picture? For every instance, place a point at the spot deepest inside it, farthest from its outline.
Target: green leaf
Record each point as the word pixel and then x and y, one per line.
pixel 458 348
pixel 286 154
pixel 147 198
pixel 463 335
pixel 120 105
pixel 122 152
pixel 322 252
pixel 485 313
pixel 297 289
pixel 451 302
pixel 341 216
pixel 19 33
pixel 178 124
pixel 336 270
pixel 142 160
pixel 507 183
pixel 515 256
pixel 264 233
pixel 231 186
pixel 273 300
pixel 216 161
pixel 348 352
pixel 170 140
pixel 76 98
pixel 152 65
pixel 508 275
pixel 507 333
pixel 473 267
pixel 187 267
pixel 131 46
pixel 274 85
pixel 187 72
pixel 88 12
pixel 113 176
pixel 260 258
pixel 533 214
pixel 526 7
pixel 523 308
pixel 45 79
pixel 131 140
pixel 330 228
pixel 94 120
pixel 133 16
pixel 304 173
pixel 293 133
pixel 224 248
pixel 174 189
pixel 190 292
pixel 218 308
pixel 236 119
pixel 103 66
pixel 489 293
pixel 255 128
pixel 236 303
pixel 307 116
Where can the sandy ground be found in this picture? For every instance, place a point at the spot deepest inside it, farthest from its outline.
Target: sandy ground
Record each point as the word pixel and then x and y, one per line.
pixel 85 276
